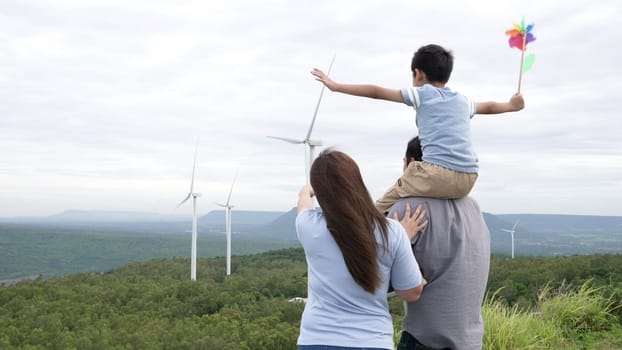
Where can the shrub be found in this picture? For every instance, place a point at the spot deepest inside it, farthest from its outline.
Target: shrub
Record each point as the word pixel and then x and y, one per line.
pixel 510 328
pixel 577 311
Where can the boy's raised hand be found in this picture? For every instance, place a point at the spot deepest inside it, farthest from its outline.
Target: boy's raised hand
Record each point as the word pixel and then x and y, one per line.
pixel 517 102
pixel 321 76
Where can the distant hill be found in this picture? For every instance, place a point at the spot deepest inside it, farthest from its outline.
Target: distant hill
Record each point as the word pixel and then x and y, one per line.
pixel 69 242
pixel 132 221
pixel 496 223
pixel 283 226
pixel 535 233
pixel 244 217
pixel 284 221
pixel 98 216
pixel 558 223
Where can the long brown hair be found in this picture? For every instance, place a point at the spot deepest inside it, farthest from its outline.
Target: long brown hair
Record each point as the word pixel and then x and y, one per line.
pixel 350 215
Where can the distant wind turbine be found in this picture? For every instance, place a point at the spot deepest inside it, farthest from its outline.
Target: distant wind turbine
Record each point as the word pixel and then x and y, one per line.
pixel 307 141
pixel 512 235
pixel 194 195
pixel 228 225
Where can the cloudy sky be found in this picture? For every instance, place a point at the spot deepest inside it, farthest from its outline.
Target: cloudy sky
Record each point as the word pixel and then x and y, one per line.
pixel 102 102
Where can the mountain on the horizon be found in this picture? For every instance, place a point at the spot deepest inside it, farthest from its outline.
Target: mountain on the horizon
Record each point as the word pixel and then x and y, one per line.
pixel 214 217
pixel 284 225
pixel 559 223
pixel 535 235
pixel 77 216
pixel 242 217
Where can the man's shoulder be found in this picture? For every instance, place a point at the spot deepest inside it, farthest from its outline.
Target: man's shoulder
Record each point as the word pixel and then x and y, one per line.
pixel 468 200
pixel 433 205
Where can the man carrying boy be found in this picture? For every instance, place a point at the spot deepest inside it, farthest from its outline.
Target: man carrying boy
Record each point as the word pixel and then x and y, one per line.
pixel 449 166
pixel 453 252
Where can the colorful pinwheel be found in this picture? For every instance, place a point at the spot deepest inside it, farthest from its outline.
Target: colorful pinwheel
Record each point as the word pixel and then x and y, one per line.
pixel 520 36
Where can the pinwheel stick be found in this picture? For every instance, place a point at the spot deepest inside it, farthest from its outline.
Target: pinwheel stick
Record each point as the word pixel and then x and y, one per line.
pixel 522 59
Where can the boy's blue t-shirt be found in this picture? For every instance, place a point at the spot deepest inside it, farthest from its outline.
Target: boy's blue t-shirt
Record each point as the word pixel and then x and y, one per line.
pixel 338 311
pixel 444 123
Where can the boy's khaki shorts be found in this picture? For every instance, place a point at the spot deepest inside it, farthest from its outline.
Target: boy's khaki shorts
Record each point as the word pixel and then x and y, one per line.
pixel 422 179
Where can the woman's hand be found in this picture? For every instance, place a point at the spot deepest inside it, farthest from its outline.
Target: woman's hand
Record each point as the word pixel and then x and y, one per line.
pixel 414 223
pixel 306 190
pixel 304 198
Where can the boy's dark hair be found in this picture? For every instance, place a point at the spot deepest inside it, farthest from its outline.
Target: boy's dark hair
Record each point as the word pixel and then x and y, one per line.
pixel 413 150
pixel 436 62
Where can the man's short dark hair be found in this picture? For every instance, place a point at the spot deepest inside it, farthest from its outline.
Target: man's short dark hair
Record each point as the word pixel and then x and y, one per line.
pixel 413 150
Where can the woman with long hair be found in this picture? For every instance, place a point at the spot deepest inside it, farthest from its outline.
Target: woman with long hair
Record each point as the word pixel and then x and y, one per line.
pixel 352 254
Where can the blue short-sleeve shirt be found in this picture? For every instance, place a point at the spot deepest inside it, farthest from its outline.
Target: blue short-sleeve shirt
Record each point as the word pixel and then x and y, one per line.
pixel 444 123
pixel 338 311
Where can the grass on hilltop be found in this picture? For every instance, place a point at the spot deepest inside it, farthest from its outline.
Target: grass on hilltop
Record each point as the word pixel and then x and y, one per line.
pixel 564 318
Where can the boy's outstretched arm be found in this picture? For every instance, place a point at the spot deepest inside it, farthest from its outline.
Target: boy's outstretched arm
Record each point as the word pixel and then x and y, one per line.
pixel 516 103
pixel 364 90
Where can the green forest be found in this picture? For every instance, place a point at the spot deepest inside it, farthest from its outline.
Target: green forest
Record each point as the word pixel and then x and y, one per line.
pixel 570 302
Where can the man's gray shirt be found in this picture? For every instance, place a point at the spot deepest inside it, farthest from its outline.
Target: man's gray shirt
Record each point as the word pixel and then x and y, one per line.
pixel 453 252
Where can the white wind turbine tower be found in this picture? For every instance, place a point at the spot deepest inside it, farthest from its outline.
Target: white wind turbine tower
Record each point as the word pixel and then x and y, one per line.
pixel 512 235
pixel 228 225
pixel 307 141
pixel 194 195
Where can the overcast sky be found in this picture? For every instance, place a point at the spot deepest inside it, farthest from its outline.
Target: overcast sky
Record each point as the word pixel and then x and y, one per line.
pixel 102 102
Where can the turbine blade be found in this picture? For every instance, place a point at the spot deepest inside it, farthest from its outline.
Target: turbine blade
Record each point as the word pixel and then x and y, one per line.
pixel 194 165
pixel 516 223
pixel 220 204
pixel 317 106
pixel 287 140
pixel 231 190
pixel 184 201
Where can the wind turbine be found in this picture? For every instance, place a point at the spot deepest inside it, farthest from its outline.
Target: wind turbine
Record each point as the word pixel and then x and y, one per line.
pixel 228 225
pixel 512 235
pixel 194 195
pixel 307 141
